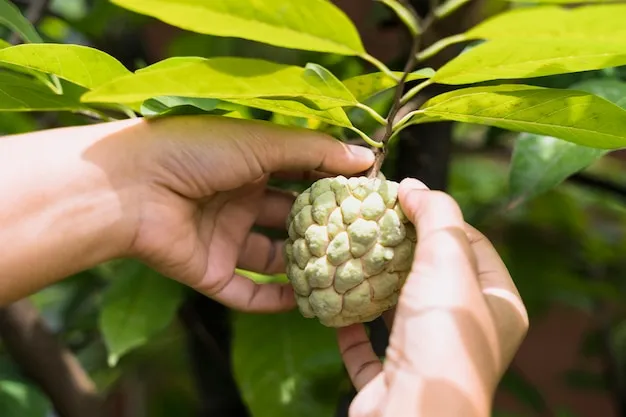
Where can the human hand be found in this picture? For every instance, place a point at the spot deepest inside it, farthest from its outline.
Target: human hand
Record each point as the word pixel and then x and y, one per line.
pixel 457 325
pixel 204 187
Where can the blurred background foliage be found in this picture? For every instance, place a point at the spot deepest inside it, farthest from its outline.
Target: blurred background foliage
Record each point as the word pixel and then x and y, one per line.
pixel 156 349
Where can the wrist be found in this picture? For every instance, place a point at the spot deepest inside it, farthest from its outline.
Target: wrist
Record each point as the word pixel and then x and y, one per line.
pixel 72 201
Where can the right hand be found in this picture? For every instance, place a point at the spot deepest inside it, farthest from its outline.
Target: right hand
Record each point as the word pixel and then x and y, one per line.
pixel 457 326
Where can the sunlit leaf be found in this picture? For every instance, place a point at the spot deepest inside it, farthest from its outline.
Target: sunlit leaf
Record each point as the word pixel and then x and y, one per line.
pixel 171 62
pixel 11 17
pixel 366 85
pixel 224 78
pixel 540 163
pixel 574 116
pixel 315 25
pixel 21 93
pixel 448 7
pixel 406 16
pixel 593 23
pixel 567 2
pixel 138 304
pixel 515 58
pixel 286 365
pixel 4 44
pixel 85 66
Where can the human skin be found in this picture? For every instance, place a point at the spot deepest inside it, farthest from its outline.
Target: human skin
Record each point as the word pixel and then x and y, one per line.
pixel 457 325
pixel 180 194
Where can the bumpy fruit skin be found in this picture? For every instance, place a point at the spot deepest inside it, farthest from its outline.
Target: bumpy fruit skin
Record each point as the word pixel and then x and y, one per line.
pixel 350 249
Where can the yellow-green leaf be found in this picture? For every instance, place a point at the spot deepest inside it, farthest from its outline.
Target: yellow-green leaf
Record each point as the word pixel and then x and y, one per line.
pixel 4 44
pixel 448 7
pixel 21 93
pixel 574 116
pixel 597 23
pixel 314 25
pixel 172 62
pixel 508 59
pixel 367 85
pixel 405 15
pixel 82 65
pixel 540 163
pixel 227 78
pixel 335 116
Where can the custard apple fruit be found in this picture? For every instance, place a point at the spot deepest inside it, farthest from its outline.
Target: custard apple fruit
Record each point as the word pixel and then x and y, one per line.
pixel 350 249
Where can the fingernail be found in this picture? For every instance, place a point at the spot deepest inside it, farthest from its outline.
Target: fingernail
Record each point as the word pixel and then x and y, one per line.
pixel 362 152
pixel 414 184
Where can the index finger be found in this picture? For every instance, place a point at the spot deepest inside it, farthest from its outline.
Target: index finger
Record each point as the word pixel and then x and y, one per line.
pixel 280 148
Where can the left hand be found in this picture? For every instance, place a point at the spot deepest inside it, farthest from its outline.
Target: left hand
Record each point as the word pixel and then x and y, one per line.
pixel 204 187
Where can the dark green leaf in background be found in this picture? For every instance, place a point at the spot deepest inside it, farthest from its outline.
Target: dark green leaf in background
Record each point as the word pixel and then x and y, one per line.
pixel 286 365
pixel 138 304
pixel 540 163
pixel 11 17
pixel 21 93
pixel 21 399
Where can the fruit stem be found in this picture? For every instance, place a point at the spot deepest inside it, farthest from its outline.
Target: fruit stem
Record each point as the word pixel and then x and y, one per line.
pixel 380 152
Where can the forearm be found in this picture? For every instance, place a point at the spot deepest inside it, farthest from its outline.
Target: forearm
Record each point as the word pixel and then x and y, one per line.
pixel 67 204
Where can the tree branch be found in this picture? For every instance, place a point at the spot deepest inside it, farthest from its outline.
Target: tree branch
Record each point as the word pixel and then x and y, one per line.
pixel 47 362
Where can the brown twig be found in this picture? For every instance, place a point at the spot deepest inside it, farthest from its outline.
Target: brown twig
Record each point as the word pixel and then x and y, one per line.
pixel 47 362
pixel 380 153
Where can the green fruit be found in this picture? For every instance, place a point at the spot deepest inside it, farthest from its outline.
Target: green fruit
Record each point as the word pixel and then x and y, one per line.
pixel 350 249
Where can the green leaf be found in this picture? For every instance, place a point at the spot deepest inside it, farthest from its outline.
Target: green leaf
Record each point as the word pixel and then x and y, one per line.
pixel 227 78
pixel 11 17
pixel 313 25
pixel 367 85
pixel 515 58
pixel 286 365
pixel 161 105
pixel 172 62
pixel 574 116
pixel 335 116
pixel 138 304
pixel 593 23
pixel 21 93
pixel 4 44
pixel 20 399
pixel 540 163
pixel 448 7
pixel 406 16
pixel 82 65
